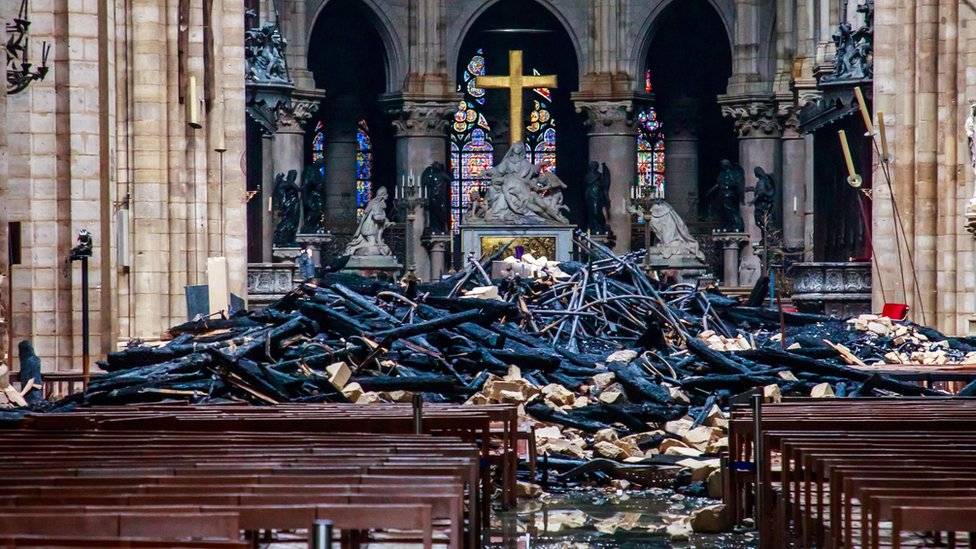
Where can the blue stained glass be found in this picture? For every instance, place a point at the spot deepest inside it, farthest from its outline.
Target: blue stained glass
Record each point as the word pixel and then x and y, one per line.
pixel 471 147
pixel 364 166
pixel 650 154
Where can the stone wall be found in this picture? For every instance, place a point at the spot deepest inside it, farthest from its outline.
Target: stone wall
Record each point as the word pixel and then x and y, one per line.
pixel 924 84
pixel 62 177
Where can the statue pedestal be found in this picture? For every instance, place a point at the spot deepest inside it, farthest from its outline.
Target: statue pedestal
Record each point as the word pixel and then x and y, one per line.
pixel 373 266
pixel 731 245
pixel 317 241
pixel 686 266
pixel 438 246
pixel 555 242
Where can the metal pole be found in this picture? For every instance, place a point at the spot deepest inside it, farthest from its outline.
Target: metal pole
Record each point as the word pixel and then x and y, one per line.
pixel 757 454
pixel 85 351
pixel 418 413
pixel 320 537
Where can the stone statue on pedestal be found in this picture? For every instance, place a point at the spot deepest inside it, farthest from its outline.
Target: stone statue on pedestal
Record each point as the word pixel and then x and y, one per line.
pixel 672 234
pixel 730 186
pixel 287 202
pixel 764 198
pixel 520 194
pixel 368 238
pixel 597 185
pixel 437 184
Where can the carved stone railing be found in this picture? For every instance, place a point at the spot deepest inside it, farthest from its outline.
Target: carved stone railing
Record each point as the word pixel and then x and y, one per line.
pixel 837 288
pixel 268 282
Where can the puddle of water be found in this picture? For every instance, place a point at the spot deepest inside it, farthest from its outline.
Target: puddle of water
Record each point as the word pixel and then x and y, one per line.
pixel 575 519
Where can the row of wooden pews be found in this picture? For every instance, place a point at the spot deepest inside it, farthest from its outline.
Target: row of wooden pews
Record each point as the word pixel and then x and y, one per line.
pixel 846 473
pixel 159 474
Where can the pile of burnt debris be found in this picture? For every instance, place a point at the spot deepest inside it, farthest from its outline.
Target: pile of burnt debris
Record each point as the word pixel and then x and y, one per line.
pixel 607 362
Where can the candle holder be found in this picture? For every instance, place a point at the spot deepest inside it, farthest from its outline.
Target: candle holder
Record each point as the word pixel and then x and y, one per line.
pixel 408 196
pixel 20 71
pixel 640 205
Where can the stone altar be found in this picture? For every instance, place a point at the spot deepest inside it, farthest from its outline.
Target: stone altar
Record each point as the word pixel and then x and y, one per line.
pixel 523 203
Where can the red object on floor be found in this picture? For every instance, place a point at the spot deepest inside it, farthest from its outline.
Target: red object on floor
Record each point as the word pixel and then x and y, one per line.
pixel 895 311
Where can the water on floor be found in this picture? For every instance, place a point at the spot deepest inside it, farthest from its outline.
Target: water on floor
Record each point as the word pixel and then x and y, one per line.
pixel 593 518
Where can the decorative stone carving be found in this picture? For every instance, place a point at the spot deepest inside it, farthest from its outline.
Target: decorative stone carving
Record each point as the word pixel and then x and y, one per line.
pixel 753 117
pixel 606 114
pixel 520 193
pixel 842 288
pixel 421 118
pixel 264 54
pixel 295 113
pixel 854 48
pixel 789 119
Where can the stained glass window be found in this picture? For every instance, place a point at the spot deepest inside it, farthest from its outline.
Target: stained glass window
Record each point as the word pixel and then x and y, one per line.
pixel 364 166
pixel 471 147
pixel 318 146
pixel 540 136
pixel 650 154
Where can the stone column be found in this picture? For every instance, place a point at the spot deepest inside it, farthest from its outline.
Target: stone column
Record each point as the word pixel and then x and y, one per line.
pixel 420 127
pixel 794 179
pixel 6 353
pixel 267 192
pixel 613 140
pixel 758 129
pixel 340 161
pixel 681 125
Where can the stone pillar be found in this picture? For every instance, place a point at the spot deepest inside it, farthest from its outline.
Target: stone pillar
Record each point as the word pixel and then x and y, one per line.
pixel 267 192
pixel 420 127
pixel 794 180
pixel 438 245
pixel 6 353
pixel 340 161
pixel 758 129
pixel 681 125
pixel 613 140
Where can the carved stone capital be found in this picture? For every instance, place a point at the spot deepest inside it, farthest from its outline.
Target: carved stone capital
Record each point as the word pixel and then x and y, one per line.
pixel 789 120
pixel 603 116
pixel 753 117
pixel 292 115
pixel 421 118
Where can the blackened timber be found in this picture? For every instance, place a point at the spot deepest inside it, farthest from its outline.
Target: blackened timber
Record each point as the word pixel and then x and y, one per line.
pixel 634 380
pixel 436 324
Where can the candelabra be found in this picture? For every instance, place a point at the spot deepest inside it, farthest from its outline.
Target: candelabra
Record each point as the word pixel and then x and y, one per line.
pixel 640 204
pixel 408 196
pixel 20 71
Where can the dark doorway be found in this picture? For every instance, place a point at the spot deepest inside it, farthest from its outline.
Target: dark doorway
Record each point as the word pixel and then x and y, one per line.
pixel 355 139
pixel 690 59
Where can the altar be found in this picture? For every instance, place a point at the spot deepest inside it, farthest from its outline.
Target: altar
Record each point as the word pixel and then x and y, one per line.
pixel 554 241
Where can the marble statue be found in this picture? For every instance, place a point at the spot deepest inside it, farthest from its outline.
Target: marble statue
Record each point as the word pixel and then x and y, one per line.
pixel 764 198
pixel 287 203
pixel 971 135
pixel 597 185
pixel 520 194
pixel 368 238
pixel 437 184
pixel 671 232
pixel 730 185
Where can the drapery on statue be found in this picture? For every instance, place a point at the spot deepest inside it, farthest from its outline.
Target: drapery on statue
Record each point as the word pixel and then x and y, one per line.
pixel 287 202
pixel 673 236
pixel 597 185
pixel 437 183
pixel 764 198
pixel 519 194
pixel 730 187
pixel 368 238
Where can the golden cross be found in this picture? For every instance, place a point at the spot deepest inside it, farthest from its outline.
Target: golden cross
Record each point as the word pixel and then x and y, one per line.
pixel 515 82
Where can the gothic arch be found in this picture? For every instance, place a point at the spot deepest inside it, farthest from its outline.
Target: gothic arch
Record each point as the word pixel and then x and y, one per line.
pixel 725 9
pixel 470 11
pixel 382 21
